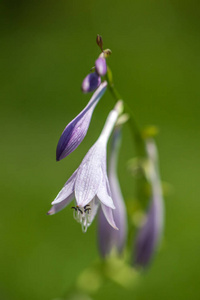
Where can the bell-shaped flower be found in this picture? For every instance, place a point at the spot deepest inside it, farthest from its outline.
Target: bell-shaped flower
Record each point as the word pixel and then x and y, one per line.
pixel 91 82
pixel 89 183
pixel 76 130
pixel 108 238
pixel 149 235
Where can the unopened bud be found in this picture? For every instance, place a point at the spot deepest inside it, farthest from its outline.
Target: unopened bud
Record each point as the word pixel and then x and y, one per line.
pixel 122 119
pixel 100 66
pixel 99 41
pixel 91 82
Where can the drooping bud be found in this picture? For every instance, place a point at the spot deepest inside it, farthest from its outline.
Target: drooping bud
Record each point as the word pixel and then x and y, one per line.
pixel 100 66
pixel 150 233
pixel 91 82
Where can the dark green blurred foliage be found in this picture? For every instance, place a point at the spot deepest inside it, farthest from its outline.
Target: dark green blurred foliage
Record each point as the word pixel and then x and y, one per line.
pixel 47 48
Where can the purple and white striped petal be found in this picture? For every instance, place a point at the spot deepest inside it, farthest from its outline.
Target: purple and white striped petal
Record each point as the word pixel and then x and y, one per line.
pixel 59 206
pixel 67 190
pixel 108 213
pixel 76 130
pixel 103 194
pixel 90 175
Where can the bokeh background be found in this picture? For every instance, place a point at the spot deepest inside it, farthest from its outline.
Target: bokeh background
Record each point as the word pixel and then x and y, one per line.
pixel 46 49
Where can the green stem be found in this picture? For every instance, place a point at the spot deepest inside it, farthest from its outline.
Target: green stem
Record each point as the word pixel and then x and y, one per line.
pixel 139 141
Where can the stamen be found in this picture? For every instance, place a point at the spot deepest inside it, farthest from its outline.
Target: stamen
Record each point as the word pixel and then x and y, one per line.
pixel 86 206
pixel 84 227
pixel 80 210
pixel 84 224
pixel 74 208
pixel 81 215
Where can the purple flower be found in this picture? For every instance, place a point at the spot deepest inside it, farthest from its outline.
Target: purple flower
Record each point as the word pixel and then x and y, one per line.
pixel 89 183
pixel 109 238
pixel 150 233
pixel 76 130
pixel 100 66
pixel 91 82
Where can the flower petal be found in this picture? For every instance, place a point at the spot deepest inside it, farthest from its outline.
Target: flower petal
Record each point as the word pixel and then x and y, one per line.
pixel 88 178
pixel 104 193
pixel 57 207
pixel 108 237
pixel 67 190
pixel 108 213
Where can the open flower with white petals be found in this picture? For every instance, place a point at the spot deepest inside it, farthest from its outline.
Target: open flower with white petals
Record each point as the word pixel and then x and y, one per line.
pixel 89 183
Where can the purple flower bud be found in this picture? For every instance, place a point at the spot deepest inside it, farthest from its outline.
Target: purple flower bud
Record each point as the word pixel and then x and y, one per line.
pixel 91 82
pixel 100 66
pixel 108 238
pixel 150 233
pixel 89 183
pixel 76 130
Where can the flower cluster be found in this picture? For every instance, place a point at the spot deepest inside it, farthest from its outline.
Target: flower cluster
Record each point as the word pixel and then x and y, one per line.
pixel 93 80
pixel 93 189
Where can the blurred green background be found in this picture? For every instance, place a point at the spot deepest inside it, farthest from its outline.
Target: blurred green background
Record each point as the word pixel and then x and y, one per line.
pixel 46 49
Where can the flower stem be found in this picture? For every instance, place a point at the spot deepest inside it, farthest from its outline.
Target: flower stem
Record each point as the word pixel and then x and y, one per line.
pixel 137 136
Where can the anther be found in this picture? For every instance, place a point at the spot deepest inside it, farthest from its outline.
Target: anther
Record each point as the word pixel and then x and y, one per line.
pixel 86 206
pixel 80 210
pixel 74 208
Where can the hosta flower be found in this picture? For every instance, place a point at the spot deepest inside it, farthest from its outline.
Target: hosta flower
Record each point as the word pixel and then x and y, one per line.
pixel 76 130
pixel 109 238
pixel 150 233
pixel 89 183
